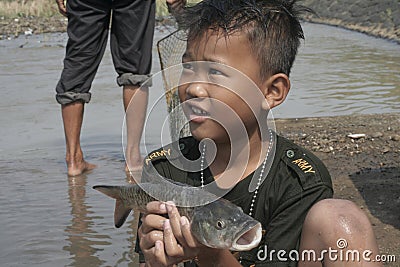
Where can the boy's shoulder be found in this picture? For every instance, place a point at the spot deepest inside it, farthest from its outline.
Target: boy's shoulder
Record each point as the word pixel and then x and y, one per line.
pixel 186 146
pixel 307 166
pixel 172 160
pixel 299 158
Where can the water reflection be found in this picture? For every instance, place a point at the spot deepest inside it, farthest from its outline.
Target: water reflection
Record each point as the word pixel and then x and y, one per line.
pixel 131 256
pixel 81 237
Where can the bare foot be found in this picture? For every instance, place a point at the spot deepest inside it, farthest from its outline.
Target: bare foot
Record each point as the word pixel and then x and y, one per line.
pixel 134 177
pixel 134 166
pixel 133 161
pixel 75 169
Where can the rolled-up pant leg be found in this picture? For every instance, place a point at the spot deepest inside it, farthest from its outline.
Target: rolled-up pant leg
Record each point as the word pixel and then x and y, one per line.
pixel 132 40
pixel 88 24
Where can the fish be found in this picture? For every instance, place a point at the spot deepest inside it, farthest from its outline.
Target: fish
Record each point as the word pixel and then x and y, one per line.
pixel 217 224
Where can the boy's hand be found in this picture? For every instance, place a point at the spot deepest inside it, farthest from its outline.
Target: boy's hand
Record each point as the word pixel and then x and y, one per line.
pixel 151 234
pixel 61 7
pixel 165 242
pixel 178 239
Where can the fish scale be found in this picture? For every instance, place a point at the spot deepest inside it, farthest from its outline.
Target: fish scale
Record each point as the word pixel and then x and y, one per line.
pixel 137 196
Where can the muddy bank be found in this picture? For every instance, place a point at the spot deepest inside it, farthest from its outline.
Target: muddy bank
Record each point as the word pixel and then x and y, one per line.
pixel 362 153
pixel 14 27
pixel 11 28
pixel 380 18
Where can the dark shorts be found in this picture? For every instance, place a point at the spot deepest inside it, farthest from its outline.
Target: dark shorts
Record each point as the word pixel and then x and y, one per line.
pixel 131 41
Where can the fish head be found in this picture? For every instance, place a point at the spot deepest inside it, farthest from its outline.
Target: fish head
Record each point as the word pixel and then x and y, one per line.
pixel 223 225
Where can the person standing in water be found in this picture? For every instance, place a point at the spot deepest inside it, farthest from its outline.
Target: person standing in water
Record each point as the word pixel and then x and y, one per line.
pixel 131 40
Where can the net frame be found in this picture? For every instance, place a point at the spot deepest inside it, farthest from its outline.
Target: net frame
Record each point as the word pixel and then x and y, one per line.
pixel 170 50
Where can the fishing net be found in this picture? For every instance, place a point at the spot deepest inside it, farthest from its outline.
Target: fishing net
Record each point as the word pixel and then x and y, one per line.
pixel 170 51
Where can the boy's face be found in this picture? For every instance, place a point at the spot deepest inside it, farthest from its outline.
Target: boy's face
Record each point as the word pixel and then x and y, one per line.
pixel 220 87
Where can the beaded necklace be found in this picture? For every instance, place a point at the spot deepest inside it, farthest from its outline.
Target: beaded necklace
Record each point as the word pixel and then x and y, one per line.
pixel 253 200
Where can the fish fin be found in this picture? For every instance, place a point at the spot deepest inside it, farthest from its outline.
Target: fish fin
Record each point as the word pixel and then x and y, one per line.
pixel 109 190
pixel 121 212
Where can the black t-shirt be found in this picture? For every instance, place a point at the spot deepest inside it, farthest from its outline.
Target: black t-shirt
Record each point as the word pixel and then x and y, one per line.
pixel 296 180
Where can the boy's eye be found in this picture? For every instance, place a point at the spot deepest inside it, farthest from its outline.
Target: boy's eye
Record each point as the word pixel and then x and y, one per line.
pixel 187 66
pixel 215 72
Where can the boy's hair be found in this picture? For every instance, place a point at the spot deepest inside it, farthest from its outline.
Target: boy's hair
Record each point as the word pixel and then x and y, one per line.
pixel 272 26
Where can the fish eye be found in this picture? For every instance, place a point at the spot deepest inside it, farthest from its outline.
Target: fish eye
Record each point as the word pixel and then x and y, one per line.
pixel 220 224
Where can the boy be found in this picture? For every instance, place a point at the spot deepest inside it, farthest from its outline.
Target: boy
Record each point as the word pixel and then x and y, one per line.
pixel 235 69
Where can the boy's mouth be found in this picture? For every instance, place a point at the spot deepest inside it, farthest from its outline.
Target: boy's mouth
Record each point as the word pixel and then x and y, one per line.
pixel 196 113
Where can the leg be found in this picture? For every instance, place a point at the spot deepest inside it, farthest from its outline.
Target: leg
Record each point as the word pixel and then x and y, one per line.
pixel 131 48
pixel 135 103
pixel 72 115
pixel 341 232
pixel 88 24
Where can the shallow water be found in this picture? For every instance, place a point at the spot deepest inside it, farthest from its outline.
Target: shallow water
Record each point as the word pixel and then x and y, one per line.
pixel 48 219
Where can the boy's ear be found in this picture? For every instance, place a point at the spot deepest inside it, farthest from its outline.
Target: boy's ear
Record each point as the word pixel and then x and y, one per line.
pixel 276 88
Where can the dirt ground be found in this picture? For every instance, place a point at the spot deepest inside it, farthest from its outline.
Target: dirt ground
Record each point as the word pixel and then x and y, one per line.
pixel 13 27
pixel 365 170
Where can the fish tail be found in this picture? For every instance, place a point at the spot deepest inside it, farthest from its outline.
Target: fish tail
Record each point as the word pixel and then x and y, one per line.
pixel 121 212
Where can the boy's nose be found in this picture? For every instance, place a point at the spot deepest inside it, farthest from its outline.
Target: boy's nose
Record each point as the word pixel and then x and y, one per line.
pixel 196 90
